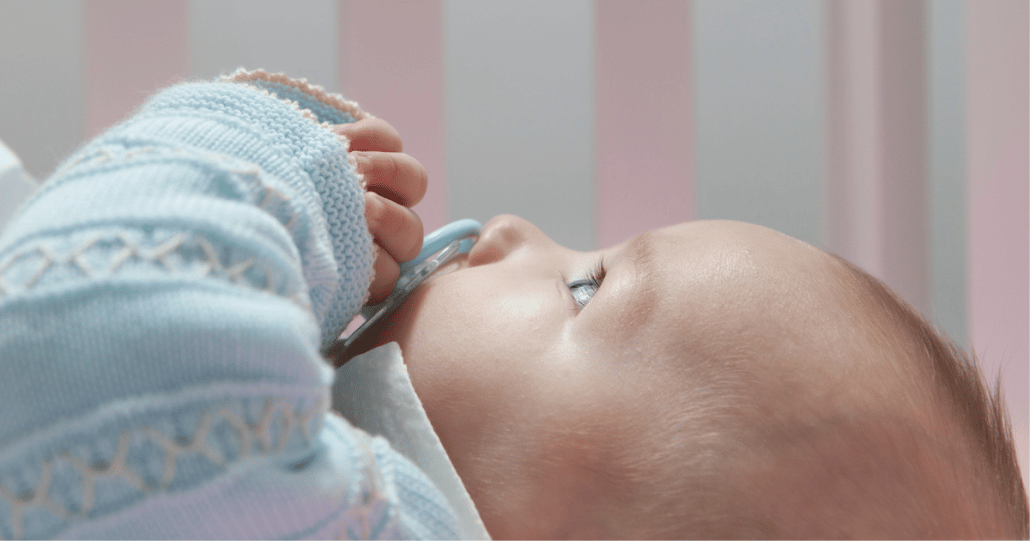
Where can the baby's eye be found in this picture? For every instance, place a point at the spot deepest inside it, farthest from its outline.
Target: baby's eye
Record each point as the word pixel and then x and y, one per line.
pixel 583 290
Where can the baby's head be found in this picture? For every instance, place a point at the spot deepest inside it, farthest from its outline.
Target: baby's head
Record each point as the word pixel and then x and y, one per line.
pixel 724 381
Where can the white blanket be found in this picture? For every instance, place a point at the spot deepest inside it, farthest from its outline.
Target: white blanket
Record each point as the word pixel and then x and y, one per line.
pixel 16 185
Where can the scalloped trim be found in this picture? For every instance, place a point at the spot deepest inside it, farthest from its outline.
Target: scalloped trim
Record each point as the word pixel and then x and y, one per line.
pixel 333 100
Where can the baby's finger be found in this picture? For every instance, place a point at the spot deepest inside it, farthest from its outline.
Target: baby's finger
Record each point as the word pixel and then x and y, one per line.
pixel 393 175
pixel 371 134
pixel 397 229
pixel 386 273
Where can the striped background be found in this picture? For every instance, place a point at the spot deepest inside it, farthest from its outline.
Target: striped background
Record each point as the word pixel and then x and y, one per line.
pixel 892 133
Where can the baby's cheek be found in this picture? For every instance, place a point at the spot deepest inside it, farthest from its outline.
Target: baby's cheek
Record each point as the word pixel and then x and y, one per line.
pixel 480 353
pixel 434 334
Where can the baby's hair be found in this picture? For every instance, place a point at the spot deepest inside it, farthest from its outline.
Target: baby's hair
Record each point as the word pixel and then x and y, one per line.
pixel 873 473
pixel 959 383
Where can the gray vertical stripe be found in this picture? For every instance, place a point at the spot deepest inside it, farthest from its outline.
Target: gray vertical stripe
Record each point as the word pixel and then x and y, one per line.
pixel 297 38
pixel 342 60
pixel 947 168
pixel 519 98
pixel 42 81
pixel 759 113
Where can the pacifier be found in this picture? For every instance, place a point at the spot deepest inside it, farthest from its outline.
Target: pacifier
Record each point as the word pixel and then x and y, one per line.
pixel 438 248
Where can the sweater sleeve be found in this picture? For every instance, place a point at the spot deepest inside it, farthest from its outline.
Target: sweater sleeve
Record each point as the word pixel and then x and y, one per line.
pixel 164 298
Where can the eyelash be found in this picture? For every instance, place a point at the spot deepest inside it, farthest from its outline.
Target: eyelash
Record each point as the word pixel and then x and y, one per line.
pixel 594 279
pixel 597 274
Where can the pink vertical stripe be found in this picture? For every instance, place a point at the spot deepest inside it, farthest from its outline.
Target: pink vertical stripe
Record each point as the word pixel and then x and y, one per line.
pixel 645 117
pixel 997 115
pixel 876 121
pixel 853 113
pixel 904 141
pixel 132 49
pixel 393 66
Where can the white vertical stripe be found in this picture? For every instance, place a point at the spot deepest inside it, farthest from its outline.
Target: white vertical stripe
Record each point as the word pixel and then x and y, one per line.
pixel 298 38
pixel 759 113
pixel 519 93
pixel 42 108
pixel 947 179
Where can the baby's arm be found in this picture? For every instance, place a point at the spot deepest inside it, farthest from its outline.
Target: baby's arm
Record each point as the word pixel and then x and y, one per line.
pixel 163 302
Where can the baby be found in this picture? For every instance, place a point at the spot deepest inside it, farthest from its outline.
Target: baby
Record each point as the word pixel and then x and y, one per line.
pixel 710 379
pixel 724 380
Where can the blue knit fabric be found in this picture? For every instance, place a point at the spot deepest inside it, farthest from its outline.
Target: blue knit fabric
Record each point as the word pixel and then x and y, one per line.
pixel 163 301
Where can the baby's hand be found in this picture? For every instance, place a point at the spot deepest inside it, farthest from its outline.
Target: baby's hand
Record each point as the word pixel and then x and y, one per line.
pixel 394 183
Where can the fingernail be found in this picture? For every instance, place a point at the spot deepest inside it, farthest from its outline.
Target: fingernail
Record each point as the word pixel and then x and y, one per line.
pixel 342 128
pixel 373 207
pixel 364 164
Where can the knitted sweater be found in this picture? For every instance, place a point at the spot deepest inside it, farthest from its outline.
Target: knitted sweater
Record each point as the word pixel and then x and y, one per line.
pixel 163 301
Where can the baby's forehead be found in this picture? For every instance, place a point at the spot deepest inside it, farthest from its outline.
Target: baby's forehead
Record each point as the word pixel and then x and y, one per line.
pixel 747 256
pixel 743 299
pixel 730 272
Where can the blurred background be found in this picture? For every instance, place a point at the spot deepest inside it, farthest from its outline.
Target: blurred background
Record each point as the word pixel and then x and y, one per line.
pixel 893 133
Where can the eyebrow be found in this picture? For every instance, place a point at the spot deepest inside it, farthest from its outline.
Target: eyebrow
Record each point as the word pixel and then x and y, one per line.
pixel 643 292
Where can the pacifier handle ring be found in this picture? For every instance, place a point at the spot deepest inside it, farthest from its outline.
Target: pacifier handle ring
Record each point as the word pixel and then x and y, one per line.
pixel 437 240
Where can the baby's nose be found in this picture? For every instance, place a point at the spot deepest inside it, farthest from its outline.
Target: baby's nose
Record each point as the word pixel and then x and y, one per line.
pixel 501 236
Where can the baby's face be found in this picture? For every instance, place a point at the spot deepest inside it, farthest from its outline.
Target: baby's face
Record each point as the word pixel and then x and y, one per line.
pixel 534 397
